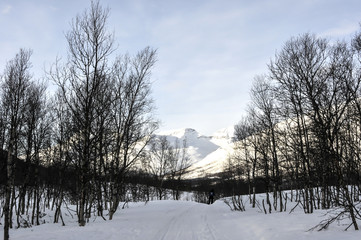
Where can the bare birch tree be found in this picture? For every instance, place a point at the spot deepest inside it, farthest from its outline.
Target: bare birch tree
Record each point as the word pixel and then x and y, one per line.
pixel 133 123
pixel 81 80
pixel 15 82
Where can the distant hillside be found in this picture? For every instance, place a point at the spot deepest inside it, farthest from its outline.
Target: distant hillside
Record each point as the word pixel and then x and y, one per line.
pixel 208 154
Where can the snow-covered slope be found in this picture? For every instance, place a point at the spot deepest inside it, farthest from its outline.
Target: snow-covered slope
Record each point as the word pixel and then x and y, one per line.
pixel 208 154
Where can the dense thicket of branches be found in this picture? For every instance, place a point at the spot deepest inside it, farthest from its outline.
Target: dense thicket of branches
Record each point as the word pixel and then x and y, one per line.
pixel 93 130
pixel 303 127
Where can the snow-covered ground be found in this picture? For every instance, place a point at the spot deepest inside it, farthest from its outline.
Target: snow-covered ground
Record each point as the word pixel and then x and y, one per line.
pixel 187 220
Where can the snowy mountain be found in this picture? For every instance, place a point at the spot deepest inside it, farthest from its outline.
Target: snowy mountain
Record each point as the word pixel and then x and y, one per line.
pixel 208 154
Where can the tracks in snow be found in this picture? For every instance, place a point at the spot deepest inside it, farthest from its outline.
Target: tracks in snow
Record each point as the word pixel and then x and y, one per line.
pixel 191 222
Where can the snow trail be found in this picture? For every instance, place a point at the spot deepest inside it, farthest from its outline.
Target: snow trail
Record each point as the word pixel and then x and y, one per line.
pixel 158 220
pixel 188 222
pixel 182 220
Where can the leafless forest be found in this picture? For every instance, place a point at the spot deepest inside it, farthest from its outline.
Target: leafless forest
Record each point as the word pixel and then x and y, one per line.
pixel 302 131
pixel 84 143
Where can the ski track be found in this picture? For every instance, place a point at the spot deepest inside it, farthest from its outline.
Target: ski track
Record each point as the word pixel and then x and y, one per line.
pixel 178 220
pixel 191 222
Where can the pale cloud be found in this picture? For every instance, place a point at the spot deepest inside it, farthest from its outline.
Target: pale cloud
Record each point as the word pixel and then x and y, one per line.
pixel 343 30
pixel 6 9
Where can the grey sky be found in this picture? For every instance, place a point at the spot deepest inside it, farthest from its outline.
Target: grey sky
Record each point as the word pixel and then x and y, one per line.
pixel 208 50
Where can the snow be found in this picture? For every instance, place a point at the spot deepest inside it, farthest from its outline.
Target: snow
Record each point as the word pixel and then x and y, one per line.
pixel 208 154
pixel 198 146
pixel 178 220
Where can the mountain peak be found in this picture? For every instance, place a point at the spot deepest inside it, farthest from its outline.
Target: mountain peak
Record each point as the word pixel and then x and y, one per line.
pixel 179 133
pixel 207 153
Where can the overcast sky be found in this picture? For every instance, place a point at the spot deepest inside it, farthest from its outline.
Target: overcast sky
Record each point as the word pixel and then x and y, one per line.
pixel 208 50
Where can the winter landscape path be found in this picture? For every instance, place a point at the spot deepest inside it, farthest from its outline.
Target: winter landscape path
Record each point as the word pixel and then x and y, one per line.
pixel 174 220
pixel 185 220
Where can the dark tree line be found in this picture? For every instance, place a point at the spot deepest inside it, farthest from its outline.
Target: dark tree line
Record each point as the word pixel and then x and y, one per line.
pixel 303 128
pixel 96 125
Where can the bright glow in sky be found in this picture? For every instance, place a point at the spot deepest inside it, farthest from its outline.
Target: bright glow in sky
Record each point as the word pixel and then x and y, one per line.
pixel 208 50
